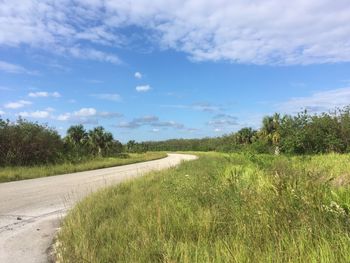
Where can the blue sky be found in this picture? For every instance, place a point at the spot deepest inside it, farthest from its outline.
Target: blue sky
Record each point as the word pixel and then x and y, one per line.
pixel 171 69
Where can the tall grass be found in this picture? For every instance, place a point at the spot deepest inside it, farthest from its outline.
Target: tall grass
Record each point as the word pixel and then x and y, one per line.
pixel 28 172
pixel 219 208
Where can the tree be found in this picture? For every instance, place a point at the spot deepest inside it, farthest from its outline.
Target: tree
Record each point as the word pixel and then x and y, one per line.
pixel 130 146
pixel 115 147
pixel 344 119
pixel 100 140
pixel 28 143
pixel 245 136
pixel 270 130
pixel 77 135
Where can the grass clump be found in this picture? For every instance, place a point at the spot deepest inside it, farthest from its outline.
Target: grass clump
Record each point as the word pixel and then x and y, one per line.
pixel 29 172
pixel 219 208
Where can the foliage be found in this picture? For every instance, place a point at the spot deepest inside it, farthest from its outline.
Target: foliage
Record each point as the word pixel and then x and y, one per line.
pixel 303 133
pixel 220 208
pixel 11 173
pixel 100 141
pixel 28 143
pixel 134 147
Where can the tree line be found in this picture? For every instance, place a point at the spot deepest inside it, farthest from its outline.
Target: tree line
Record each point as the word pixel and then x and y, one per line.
pixel 30 143
pixel 303 133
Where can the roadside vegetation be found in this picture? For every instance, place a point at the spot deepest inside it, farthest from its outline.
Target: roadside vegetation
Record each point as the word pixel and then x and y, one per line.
pixel 277 194
pixel 24 172
pixel 219 208
pixel 30 150
pixel 303 133
pixel 25 143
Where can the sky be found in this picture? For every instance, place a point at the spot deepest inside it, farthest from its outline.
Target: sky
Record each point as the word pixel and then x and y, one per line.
pixel 154 70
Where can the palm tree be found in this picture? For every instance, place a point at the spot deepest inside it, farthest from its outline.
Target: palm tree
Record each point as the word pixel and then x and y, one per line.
pixel 100 139
pixel 271 130
pixel 245 135
pixel 130 145
pixel 77 134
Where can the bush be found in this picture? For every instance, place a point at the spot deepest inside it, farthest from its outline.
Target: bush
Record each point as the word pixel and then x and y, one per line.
pixel 27 143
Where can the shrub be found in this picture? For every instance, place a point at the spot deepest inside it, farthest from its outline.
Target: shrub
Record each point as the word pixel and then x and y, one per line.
pixel 28 143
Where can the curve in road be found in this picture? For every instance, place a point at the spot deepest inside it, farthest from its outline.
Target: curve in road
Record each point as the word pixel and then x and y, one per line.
pixel 31 210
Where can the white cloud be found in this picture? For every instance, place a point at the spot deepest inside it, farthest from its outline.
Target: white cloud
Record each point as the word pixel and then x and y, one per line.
pixel 138 75
pixel 15 69
pixel 44 94
pixel 17 104
pixel 92 54
pixel 85 112
pixel 35 114
pixel 2 112
pixel 56 94
pixel 49 109
pixel 107 96
pixel 253 32
pixel 318 102
pixel 143 88
pixel 100 35
pixel 87 115
pixel 64 117
pixel 61 28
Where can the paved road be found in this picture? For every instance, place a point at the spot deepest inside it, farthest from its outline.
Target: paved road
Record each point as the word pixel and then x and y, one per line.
pixel 31 210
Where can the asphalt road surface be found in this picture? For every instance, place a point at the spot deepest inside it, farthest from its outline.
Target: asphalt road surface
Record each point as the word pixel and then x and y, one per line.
pixel 31 210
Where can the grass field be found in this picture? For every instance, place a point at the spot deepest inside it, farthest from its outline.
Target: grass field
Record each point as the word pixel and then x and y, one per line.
pixel 219 208
pixel 20 173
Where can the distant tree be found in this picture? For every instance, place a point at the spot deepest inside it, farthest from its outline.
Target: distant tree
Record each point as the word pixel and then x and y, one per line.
pixel 130 146
pixel 77 134
pixel 100 140
pixel 324 134
pixel 344 119
pixel 245 135
pixel 270 131
pixel 115 147
pixel 294 138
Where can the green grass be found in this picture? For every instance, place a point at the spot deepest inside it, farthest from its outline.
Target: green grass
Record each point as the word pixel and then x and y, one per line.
pixel 219 208
pixel 20 173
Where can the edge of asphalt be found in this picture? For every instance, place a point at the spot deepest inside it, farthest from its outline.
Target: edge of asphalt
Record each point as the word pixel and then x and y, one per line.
pixel 37 228
pixel 94 169
pixel 51 251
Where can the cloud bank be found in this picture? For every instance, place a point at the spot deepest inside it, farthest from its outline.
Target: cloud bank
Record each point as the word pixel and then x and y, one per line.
pixel 17 104
pixel 259 32
pixel 321 101
pixel 14 68
pixel 87 116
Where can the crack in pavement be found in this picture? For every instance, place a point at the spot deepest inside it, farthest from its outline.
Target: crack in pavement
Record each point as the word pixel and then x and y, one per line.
pixel 29 219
